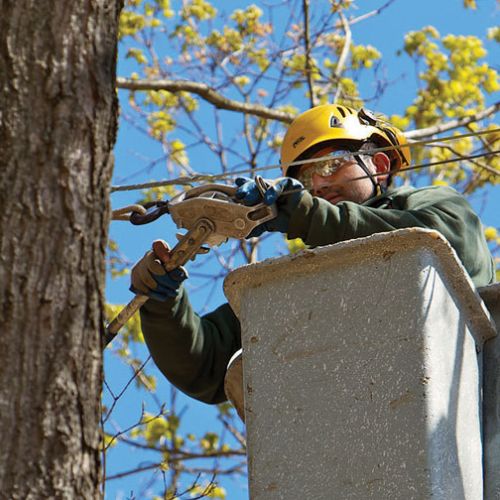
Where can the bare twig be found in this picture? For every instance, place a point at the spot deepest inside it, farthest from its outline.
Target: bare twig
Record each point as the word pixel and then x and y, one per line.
pixel 343 55
pixel 137 470
pixel 206 491
pixel 249 249
pixel 235 469
pixel 207 93
pixel 137 373
pixel 235 432
pixel 307 47
pixel 372 13
pixel 138 424
pixel 177 454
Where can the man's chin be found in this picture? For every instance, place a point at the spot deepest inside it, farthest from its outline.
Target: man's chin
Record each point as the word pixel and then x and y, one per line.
pixel 333 199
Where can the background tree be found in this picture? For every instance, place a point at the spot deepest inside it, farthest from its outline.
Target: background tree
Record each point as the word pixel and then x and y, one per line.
pixel 57 129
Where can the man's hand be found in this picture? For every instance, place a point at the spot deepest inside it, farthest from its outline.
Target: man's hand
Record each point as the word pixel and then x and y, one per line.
pixel 250 194
pixel 149 276
pixel 276 190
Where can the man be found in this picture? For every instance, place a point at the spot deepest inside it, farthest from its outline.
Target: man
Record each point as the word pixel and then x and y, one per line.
pixel 345 194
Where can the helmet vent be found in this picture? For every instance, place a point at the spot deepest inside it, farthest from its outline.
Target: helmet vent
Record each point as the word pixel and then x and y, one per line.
pixel 390 134
pixel 367 117
pixel 335 122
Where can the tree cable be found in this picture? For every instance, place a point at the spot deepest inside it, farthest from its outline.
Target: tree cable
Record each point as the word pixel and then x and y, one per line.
pixel 188 180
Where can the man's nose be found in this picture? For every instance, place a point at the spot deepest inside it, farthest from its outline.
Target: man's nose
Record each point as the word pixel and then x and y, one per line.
pixel 320 184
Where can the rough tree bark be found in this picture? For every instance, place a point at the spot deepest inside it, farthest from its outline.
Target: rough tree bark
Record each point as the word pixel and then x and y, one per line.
pixel 57 129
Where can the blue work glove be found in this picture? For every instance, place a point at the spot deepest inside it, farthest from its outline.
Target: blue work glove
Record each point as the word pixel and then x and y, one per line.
pixel 248 192
pixel 149 277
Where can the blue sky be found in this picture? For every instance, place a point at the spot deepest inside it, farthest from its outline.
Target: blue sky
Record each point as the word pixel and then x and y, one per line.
pixel 386 33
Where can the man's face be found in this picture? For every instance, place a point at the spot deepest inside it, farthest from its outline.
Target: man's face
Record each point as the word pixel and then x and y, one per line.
pixel 340 182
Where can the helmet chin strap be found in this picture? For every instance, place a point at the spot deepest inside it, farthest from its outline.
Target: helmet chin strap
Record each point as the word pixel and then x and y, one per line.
pixel 378 189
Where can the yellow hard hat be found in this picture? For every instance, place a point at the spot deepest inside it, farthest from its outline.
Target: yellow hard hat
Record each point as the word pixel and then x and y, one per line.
pixel 330 123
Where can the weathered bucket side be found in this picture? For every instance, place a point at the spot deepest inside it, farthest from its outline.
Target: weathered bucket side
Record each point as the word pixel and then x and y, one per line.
pixel 361 377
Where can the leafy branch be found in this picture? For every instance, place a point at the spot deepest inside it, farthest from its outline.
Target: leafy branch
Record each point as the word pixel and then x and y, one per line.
pixel 206 92
pixel 221 102
pixel 462 122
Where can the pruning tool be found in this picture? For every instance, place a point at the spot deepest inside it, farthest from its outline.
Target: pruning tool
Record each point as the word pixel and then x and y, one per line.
pixel 211 214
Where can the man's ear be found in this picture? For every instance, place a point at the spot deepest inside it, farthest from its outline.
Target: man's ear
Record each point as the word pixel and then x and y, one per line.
pixel 382 165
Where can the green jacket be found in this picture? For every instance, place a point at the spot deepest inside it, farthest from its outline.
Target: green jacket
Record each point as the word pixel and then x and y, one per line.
pixel 193 351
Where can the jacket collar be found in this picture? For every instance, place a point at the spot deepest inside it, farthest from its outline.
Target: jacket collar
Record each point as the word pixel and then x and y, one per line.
pixel 384 200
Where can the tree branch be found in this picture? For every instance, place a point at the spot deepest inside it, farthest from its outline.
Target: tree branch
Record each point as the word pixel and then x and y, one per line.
pixel 343 55
pixel 179 455
pixel 137 470
pixel 372 13
pixel 462 122
pixel 307 47
pixel 221 102
pixel 207 93
pixel 235 433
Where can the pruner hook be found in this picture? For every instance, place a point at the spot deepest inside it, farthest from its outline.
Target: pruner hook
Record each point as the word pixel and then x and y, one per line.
pixel 154 210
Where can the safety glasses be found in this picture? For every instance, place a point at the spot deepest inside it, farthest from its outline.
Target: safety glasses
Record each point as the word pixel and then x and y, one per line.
pixel 324 167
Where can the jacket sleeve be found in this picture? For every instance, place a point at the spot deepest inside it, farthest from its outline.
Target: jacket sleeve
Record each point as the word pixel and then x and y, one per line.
pixel 190 350
pixel 318 222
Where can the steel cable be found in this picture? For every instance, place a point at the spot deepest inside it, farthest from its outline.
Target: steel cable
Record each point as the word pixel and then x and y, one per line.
pixel 188 180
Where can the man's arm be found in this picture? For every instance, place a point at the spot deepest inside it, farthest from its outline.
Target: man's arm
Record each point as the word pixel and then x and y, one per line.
pixel 318 223
pixel 191 351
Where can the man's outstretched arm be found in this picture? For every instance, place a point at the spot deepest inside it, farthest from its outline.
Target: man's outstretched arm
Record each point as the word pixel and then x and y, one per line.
pixel 192 351
pixel 319 223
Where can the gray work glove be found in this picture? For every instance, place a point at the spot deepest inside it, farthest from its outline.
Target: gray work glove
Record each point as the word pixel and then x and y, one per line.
pixel 149 277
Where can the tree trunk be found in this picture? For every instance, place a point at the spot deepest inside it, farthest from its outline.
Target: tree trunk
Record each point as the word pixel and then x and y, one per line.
pixel 57 128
